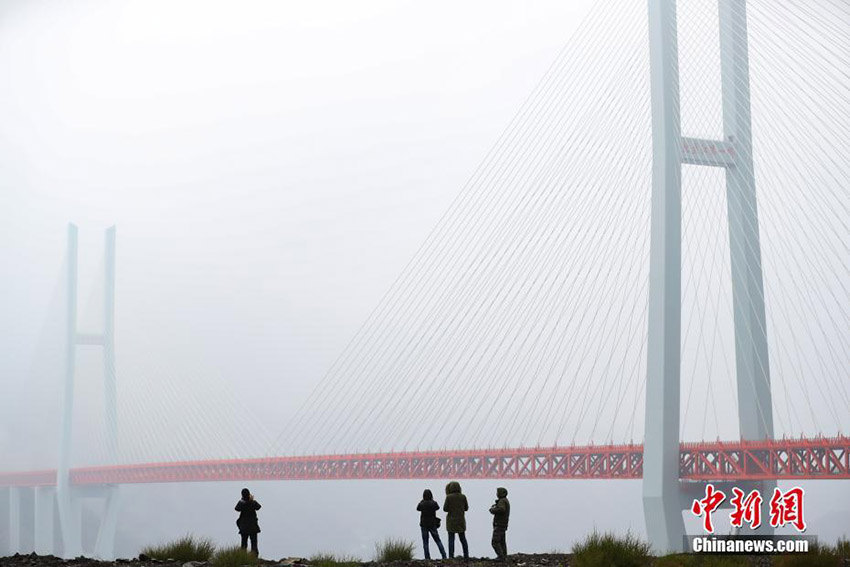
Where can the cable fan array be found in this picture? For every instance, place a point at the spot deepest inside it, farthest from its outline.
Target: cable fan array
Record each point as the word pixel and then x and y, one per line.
pixel 522 318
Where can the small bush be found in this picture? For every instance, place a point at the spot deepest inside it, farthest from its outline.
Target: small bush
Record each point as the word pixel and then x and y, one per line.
pixel 332 560
pixel 819 555
pixel 187 548
pixel 608 550
pixel 233 556
pixel 842 548
pixel 393 549
pixel 675 560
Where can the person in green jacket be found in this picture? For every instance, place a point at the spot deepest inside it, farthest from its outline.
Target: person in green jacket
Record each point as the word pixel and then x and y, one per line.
pixel 455 507
pixel 501 511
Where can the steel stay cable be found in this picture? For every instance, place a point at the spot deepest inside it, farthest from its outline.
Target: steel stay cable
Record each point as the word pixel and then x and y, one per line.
pixel 445 220
pixel 584 405
pixel 479 321
pixel 610 279
pixel 483 373
pixel 517 384
pixel 562 342
pixel 603 209
pixel 520 405
pixel 633 382
pixel 701 313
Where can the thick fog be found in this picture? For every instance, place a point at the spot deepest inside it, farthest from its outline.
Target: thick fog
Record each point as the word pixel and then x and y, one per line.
pixel 271 168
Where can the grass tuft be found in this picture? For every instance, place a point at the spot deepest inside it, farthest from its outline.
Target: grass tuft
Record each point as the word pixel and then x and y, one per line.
pixel 333 560
pixel 233 556
pixel 842 547
pixel 819 555
pixel 392 549
pixel 609 550
pixel 187 548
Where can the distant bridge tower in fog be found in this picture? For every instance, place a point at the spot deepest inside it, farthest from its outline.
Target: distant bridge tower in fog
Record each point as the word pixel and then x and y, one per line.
pixel 663 495
pixel 68 498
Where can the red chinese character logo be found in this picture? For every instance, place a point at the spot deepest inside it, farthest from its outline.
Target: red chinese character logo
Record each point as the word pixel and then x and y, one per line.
pixel 746 509
pixel 787 509
pixel 707 505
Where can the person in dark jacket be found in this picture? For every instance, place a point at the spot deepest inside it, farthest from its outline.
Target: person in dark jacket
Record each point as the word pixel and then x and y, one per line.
pixel 247 523
pixel 429 522
pixel 501 511
pixel 455 508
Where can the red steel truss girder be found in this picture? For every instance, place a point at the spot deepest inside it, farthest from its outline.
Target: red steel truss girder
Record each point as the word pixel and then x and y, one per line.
pixel 817 458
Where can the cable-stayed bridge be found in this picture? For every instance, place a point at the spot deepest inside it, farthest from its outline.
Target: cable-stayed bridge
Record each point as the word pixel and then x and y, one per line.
pixel 669 202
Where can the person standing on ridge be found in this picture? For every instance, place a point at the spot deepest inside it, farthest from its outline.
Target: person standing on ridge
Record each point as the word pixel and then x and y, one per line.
pixel 501 511
pixel 455 508
pixel 429 522
pixel 247 523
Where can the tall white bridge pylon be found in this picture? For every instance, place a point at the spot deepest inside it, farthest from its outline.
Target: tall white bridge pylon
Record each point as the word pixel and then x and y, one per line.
pixel 65 498
pixel 664 495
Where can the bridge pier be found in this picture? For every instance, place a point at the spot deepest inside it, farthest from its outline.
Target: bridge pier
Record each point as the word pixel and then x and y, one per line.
pixel 18 520
pixel 44 505
pixel 4 521
pixel 71 524
pixel 14 519
pixel 104 547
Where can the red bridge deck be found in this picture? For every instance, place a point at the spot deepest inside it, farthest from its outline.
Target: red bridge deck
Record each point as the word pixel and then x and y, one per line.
pixel 818 458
